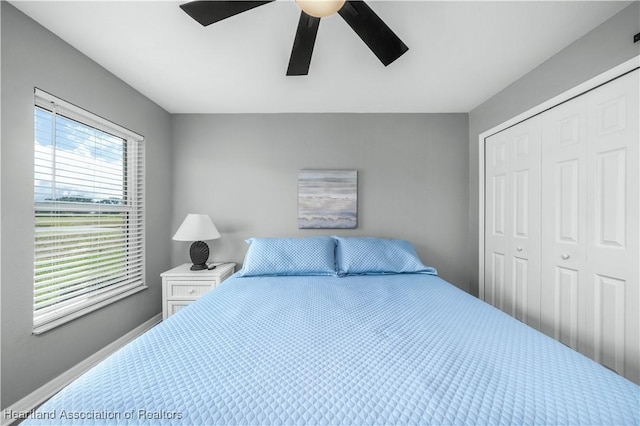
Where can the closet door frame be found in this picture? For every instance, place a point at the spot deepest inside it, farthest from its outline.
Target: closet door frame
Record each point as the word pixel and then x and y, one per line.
pixel 603 78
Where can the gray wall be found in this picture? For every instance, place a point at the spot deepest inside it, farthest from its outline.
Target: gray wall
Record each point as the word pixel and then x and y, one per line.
pixel 32 56
pixel 606 46
pixel 242 170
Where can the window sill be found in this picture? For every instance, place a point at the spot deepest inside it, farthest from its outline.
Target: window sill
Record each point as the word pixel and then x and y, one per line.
pixel 46 325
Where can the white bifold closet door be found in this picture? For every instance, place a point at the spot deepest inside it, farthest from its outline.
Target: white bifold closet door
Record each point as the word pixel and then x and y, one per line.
pixel 512 253
pixel 583 218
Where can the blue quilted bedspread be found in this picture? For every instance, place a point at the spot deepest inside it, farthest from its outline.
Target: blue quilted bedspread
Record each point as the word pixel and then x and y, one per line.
pixel 360 350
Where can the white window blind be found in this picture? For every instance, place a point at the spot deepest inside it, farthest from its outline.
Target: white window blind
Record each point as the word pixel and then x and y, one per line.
pixel 89 212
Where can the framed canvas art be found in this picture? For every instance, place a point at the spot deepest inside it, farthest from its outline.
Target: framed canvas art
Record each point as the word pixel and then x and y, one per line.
pixel 327 199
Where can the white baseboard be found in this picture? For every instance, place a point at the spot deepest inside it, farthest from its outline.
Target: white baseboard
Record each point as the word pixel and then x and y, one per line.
pixel 43 393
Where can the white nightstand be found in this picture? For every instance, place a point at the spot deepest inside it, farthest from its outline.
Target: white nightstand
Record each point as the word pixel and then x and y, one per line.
pixel 181 286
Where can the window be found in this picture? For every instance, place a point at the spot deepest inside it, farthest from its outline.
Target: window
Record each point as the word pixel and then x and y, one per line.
pixel 89 212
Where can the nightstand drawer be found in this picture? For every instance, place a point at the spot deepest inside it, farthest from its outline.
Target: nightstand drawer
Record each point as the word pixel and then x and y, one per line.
pixel 188 289
pixel 174 306
pixel 181 286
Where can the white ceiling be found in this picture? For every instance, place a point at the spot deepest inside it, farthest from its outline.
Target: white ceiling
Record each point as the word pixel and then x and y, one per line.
pixel 460 52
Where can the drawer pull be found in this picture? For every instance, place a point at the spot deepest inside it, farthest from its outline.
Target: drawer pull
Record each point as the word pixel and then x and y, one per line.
pixel 193 291
pixel 565 256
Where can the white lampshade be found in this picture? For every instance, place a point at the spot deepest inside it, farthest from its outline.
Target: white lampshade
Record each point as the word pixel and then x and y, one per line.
pixel 320 8
pixel 196 227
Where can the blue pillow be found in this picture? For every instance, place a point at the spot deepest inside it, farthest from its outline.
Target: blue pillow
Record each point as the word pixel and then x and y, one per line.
pixel 289 256
pixel 374 256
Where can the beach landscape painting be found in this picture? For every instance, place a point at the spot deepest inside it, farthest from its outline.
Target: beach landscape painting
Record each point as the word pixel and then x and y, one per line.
pixel 327 199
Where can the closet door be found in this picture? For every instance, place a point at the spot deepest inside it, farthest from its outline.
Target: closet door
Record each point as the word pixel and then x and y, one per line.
pixel 613 183
pixel 590 225
pixel 512 254
pixel 564 221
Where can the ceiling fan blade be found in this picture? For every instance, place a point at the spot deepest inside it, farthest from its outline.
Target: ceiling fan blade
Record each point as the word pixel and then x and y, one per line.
pixel 303 45
pixel 208 12
pixel 383 42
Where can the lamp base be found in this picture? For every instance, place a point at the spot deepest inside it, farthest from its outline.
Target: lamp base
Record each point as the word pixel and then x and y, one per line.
pixel 199 252
pixel 199 267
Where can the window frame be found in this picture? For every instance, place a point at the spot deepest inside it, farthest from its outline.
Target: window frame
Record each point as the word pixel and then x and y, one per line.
pixel 47 318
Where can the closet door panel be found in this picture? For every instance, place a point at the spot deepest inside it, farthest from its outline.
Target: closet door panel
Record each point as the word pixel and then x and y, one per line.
pixel 564 221
pixel 566 306
pixel 609 340
pixel 496 240
pixel 512 260
pixel 613 240
pixel 525 210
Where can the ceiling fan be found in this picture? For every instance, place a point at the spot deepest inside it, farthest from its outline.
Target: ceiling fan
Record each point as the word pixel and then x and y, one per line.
pixel 372 30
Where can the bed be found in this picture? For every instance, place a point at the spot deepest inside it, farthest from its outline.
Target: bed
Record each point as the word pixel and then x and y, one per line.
pixel 363 334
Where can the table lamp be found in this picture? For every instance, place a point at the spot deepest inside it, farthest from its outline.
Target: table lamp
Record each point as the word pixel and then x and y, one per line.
pixel 197 227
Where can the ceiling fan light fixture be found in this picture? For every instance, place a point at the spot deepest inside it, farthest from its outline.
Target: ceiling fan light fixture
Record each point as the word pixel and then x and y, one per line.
pixel 320 8
pixel 371 29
